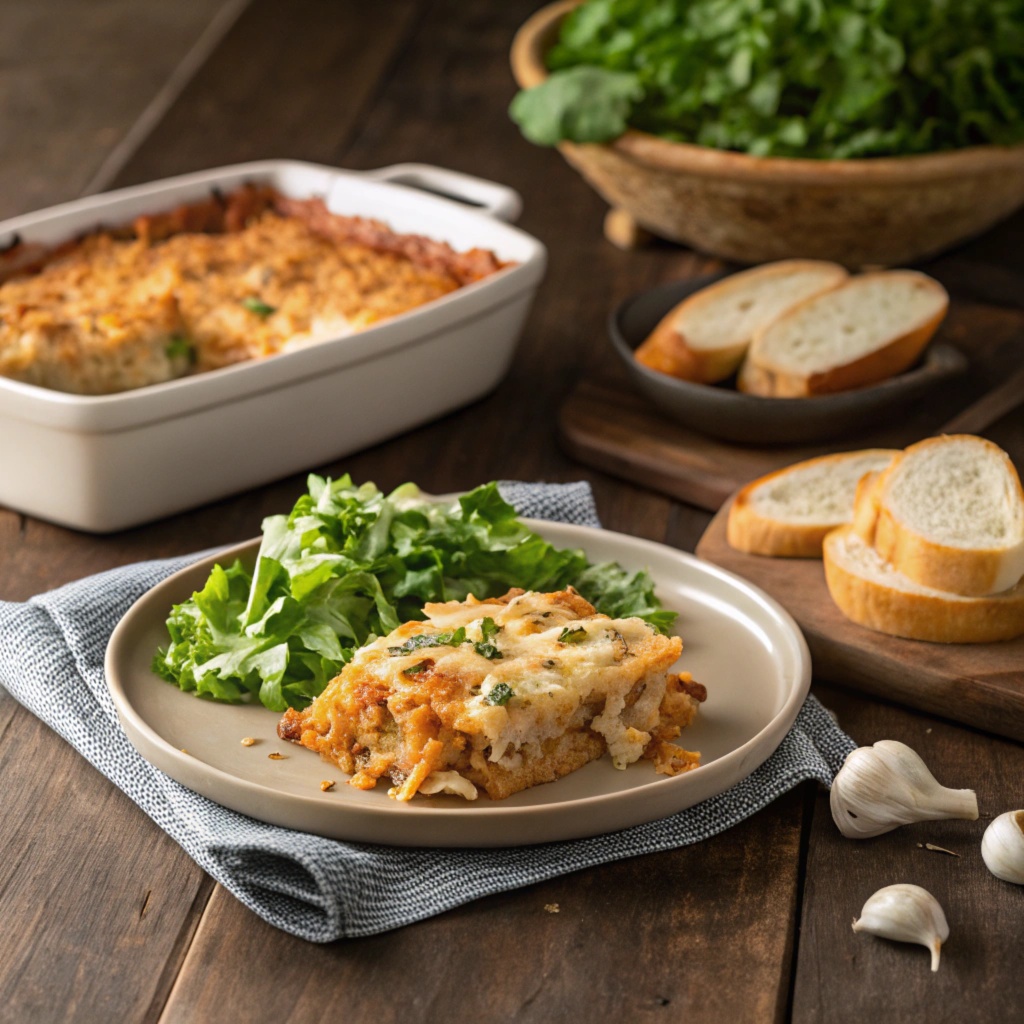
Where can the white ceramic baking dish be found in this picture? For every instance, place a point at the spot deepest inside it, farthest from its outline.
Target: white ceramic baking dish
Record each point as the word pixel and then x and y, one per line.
pixel 109 462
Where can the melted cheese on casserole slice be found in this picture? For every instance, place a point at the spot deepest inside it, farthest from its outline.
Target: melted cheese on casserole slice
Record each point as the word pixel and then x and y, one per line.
pixel 503 693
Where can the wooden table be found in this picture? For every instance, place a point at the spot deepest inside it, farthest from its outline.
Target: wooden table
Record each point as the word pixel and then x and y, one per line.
pixel 106 919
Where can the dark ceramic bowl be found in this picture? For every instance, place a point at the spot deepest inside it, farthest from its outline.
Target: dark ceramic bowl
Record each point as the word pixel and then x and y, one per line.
pixel 722 411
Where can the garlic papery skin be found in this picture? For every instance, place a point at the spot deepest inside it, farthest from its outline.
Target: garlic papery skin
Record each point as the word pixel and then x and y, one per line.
pixel 882 787
pixel 1002 848
pixel 906 913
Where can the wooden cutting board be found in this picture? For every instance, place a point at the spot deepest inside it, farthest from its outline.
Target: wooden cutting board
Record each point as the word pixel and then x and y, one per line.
pixel 606 424
pixel 976 684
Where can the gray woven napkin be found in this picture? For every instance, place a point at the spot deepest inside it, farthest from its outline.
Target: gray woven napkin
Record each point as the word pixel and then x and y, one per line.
pixel 51 660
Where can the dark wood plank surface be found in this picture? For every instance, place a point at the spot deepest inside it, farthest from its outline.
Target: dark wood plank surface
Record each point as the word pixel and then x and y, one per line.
pixel 708 933
pixel 289 80
pixel 845 977
pixel 75 78
pixel 654 938
pixel 99 904
pixel 976 684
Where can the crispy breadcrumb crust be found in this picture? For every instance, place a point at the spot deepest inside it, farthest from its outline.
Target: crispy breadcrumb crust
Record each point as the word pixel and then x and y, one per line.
pixel 210 284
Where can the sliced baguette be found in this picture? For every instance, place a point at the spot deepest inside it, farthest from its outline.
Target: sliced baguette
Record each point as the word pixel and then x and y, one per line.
pixel 950 515
pixel 704 338
pixel 788 513
pixel 865 507
pixel 870 592
pixel 871 327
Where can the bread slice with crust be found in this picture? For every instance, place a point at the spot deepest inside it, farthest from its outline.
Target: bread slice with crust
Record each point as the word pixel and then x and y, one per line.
pixel 704 338
pixel 870 592
pixel 871 327
pixel 865 507
pixel 949 514
pixel 788 513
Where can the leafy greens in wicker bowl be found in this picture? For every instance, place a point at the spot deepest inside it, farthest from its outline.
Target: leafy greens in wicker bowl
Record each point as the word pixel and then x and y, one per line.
pixel 806 78
pixel 898 118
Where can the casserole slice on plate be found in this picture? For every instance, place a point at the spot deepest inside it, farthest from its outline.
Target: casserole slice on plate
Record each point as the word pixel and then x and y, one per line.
pixel 502 695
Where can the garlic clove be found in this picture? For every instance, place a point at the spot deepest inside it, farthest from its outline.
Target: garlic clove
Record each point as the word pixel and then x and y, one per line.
pixel 887 785
pixel 905 913
pixel 1002 847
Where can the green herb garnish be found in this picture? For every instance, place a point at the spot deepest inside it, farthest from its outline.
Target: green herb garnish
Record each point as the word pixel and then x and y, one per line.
pixel 415 643
pixel 500 695
pixel 841 79
pixel 350 563
pixel 415 670
pixel 572 636
pixel 258 306
pixel 180 347
pixel 484 647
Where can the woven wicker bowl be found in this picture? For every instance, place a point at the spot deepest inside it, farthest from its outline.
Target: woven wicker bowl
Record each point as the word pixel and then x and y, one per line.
pixel 885 211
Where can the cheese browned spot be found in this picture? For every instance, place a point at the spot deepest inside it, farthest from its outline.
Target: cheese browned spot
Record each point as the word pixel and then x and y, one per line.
pixel 538 686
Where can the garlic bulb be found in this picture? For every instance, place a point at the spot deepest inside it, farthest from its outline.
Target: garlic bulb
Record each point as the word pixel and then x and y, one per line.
pixel 906 913
pixel 882 787
pixel 1003 847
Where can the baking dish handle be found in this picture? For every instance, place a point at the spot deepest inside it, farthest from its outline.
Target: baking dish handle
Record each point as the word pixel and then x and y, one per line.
pixel 497 200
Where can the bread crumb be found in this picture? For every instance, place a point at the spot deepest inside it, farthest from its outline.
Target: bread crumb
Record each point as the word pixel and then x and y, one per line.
pixel 327 784
pixel 275 756
pixel 248 741
pixel 552 908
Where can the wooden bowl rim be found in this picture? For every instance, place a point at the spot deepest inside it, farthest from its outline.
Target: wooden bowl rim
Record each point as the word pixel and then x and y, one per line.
pixel 529 69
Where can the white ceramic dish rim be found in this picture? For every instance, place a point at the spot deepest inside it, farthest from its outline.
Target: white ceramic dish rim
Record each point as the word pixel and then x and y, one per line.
pixel 780 723
pixel 494 204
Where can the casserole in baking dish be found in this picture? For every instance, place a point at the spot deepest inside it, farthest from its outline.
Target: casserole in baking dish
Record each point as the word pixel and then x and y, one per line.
pixel 243 275
pixel 383 360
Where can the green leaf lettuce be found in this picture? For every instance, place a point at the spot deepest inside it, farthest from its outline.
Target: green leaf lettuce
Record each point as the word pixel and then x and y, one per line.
pixel 809 78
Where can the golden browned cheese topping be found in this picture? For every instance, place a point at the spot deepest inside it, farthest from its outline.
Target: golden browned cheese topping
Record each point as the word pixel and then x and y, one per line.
pixel 276 286
pixel 502 694
pixel 144 305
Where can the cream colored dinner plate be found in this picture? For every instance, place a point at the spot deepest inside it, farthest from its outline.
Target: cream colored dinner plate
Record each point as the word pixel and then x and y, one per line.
pixel 738 642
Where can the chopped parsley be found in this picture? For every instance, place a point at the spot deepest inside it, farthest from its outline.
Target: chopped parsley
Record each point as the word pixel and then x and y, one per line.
pixel 179 347
pixel 450 639
pixel 453 638
pixel 484 647
pixel 572 636
pixel 500 695
pixel 258 306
